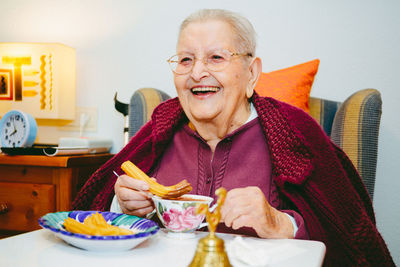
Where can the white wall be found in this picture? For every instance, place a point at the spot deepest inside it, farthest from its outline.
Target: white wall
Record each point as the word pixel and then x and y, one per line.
pixel 122 45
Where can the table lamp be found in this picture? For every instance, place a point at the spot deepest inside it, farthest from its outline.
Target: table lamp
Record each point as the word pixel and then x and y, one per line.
pixel 38 78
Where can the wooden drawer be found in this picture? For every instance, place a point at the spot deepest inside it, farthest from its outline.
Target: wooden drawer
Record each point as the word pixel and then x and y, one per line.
pixel 26 174
pixel 26 203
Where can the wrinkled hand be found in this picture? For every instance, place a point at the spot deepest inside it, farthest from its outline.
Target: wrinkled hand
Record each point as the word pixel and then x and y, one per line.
pixel 133 196
pixel 248 207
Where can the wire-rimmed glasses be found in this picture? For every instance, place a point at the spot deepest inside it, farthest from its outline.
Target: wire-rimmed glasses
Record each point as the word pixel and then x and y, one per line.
pixel 217 60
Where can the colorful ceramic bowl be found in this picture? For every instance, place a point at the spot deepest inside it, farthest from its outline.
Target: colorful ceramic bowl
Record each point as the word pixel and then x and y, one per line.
pixel 144 229
pixel 179 216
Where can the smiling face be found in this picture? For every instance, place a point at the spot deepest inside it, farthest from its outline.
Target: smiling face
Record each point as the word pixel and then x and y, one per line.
pixel 208 96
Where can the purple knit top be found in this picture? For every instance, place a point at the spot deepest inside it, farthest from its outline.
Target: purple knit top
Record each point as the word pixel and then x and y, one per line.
pixel 189 157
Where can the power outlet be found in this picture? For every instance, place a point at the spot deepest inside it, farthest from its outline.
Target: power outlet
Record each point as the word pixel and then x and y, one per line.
pixel 89 114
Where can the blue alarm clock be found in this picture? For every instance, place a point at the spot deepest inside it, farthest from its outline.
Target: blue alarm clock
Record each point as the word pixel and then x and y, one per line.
pixel 17 129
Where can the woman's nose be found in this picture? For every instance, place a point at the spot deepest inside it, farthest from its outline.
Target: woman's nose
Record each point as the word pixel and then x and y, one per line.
pixel 199 70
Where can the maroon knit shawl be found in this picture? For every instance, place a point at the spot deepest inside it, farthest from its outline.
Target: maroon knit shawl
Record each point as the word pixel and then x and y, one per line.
pixel 313 176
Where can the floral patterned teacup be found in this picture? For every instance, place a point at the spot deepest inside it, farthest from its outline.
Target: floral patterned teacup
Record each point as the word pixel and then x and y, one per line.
pixel 179 216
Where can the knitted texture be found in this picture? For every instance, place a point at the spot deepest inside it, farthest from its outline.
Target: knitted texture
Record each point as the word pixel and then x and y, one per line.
pixel 142 150
pixel 333 200
pixel 311 173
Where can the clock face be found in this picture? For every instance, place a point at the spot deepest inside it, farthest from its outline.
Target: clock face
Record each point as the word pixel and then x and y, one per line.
pixel 17 129
pixel 14 130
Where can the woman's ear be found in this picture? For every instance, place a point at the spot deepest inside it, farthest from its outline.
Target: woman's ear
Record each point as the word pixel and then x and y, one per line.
pixel 255 72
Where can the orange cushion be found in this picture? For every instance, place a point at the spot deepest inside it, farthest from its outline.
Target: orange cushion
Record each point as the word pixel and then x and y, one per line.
pixel 291 85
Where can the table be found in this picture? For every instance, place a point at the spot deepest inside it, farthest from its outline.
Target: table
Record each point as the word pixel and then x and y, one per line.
pixel 42 248
pixel 31 186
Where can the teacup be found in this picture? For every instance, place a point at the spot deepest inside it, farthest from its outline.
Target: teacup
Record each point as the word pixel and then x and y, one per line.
pixel 179 215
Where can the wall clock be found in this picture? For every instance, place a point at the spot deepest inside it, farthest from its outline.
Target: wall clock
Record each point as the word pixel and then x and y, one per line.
pixel 17 129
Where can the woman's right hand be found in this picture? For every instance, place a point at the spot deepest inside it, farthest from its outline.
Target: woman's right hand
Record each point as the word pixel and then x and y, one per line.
pixel 133 196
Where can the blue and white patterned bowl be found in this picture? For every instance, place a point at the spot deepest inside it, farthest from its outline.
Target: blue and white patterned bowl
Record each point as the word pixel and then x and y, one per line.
pixel 144 229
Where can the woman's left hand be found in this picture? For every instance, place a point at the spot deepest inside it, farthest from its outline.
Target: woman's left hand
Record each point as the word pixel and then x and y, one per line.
pixel 248 207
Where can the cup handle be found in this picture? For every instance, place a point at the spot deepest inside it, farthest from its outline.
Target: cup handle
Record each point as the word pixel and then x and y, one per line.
pixel 212 208
pixel 204 224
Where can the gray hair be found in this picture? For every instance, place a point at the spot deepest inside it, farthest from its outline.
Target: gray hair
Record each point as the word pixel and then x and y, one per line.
pixel 245 33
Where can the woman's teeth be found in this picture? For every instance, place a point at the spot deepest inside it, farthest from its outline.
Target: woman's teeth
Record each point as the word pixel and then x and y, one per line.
pixel 203 90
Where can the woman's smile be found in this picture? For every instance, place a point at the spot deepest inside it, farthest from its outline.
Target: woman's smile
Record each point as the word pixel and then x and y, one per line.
pixel 202 91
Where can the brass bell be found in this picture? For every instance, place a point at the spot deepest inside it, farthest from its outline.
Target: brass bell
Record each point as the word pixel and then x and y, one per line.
pixel 210 250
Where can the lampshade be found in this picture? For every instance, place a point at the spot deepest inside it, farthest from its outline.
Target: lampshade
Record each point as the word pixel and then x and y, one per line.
pixel 38 78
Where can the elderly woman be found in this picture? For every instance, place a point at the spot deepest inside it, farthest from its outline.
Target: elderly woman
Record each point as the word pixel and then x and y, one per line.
pixel 284 177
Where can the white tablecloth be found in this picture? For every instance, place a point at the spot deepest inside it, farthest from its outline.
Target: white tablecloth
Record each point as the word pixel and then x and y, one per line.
pixel 42 248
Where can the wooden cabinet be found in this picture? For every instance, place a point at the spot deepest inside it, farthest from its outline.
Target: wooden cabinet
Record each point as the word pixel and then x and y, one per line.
pixel 31 186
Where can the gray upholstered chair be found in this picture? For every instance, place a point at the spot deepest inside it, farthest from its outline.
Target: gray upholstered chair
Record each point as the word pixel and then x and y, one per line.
pixel 142 104
pixel 353 125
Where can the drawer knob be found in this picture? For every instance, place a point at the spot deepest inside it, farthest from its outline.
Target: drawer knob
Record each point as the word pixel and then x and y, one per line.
pixel 3 208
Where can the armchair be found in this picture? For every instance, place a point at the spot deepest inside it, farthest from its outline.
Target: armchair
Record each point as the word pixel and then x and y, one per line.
pixel 352 125
pixel 142 104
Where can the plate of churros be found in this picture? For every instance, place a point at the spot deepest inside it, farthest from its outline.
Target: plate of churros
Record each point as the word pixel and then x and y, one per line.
pixel 99 231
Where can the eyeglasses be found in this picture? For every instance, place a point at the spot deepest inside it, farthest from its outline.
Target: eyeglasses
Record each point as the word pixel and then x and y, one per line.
pixel 214 61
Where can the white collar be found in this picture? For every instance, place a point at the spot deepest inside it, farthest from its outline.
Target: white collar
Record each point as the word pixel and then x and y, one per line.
pixel 253 113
